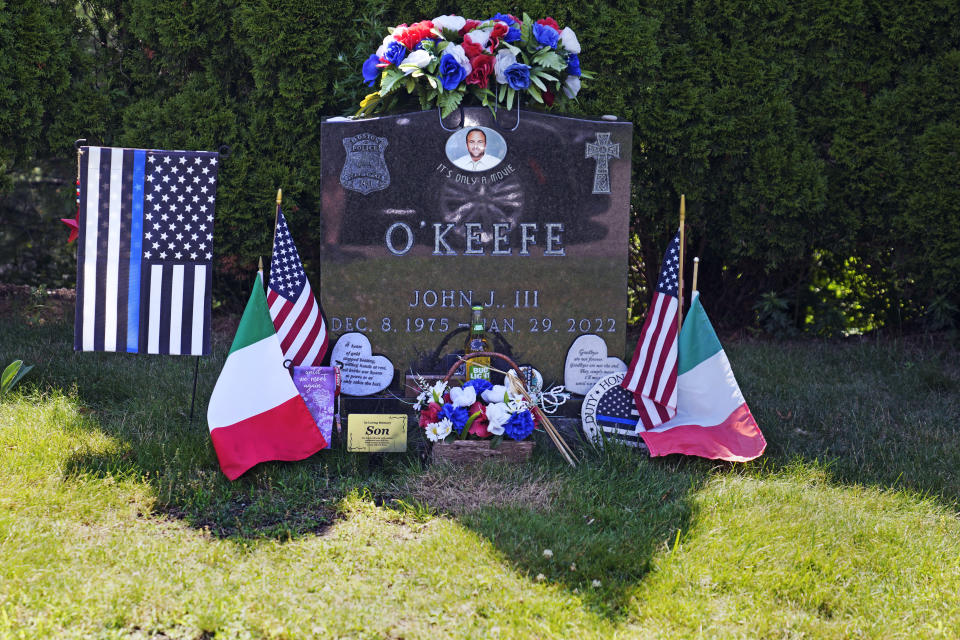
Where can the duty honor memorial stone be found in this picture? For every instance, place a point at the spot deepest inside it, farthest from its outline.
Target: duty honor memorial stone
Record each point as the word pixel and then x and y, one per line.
pixel 529 218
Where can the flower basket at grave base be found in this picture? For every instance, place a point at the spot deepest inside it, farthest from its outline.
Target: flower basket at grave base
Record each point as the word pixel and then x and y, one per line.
pixel 478 420
pixel 481 421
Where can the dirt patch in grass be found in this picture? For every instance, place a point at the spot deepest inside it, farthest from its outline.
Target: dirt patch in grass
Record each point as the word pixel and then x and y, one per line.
pixel 461 490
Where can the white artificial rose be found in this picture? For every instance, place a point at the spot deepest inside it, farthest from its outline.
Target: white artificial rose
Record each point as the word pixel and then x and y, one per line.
pixel 494 394
pixel 460 56
pixel 505 58
pixel 569 40
pixel 497 416
pixel 462 396
pixel 382 49
pixel 479 36
pixel 571 86
pixel 451 23
pixel 415 60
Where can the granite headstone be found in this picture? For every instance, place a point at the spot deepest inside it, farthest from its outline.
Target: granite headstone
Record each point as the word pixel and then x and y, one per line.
pixel 528 216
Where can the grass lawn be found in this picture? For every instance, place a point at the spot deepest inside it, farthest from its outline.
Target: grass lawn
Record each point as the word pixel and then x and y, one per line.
pixel 115 521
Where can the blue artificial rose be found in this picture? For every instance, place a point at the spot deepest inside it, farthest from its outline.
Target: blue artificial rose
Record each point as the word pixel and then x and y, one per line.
pixel 546 35
pixel 370 71
pixel 519 426
pixel 518 76
pixel 479 385
pixel 450 72
pixel 457 415
pixel 396 52
pixel 513 34
pixel 501 17
pixel 573 64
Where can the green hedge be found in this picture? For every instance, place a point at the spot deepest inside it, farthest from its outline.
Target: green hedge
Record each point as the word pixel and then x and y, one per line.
pixel 817 143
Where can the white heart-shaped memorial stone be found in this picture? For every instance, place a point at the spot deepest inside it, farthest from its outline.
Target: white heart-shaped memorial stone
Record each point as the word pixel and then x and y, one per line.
pixel 587 362
pixel 361 372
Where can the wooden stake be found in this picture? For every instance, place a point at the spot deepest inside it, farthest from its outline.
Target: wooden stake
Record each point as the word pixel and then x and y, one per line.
pixel 696 268
pixel 545 423
pixel 683 214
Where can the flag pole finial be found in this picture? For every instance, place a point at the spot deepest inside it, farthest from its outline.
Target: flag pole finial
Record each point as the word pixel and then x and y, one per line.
pixel 260 265
pixel 279 196
pixel 696 269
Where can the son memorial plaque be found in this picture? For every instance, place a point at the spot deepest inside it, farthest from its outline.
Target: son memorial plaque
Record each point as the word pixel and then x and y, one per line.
pixel 532 222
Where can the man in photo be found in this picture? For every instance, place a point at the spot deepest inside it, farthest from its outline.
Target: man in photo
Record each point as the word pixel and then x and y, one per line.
pixel 477 158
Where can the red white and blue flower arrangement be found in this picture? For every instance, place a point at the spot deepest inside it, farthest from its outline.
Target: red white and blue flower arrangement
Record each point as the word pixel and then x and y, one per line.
pixel 478 408
pixel 494 60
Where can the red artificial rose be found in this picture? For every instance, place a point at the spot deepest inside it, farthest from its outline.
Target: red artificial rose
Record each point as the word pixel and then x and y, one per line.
pixel 548 97
pixel 482 68
pixel 471 48
pixel 549 22
pixel 412 35
pixel 500 29
pixel 429 415
pixel 479 426
pixel 469 26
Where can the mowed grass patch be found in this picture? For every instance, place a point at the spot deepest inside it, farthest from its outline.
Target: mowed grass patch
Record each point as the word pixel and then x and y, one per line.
pixel 882 413
pixel 793 555
pixel 116 522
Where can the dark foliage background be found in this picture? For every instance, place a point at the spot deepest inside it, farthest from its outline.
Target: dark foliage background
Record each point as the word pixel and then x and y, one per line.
pixel 817 143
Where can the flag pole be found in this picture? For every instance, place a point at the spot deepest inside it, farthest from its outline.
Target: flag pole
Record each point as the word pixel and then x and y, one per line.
pixel 276 218
pixel 683 214
pixel 696 268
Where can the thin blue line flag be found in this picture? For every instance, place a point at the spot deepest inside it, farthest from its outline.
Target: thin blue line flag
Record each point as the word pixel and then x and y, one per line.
pixel 145 251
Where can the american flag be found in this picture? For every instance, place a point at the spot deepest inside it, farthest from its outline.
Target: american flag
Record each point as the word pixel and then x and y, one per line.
pixel 145 256
pixel 296 315
pixel 652 375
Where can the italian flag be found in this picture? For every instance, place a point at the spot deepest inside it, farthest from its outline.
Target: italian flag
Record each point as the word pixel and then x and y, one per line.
pixel 713 420
pixel 255 412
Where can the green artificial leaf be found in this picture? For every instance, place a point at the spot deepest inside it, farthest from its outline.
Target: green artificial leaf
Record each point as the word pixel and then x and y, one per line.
pixel 433 83
pixel 449 101
pixel 512 49
pixel 466 427
pixel 533 91
pixel 389 81
pixel 510 95
pixel 537 81
pixel 503 93
pixel 526 30
pixel 550 60
pixel 543 75
pixel 411 84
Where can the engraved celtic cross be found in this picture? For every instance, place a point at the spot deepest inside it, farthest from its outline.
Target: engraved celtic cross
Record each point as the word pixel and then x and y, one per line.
pixel 602 150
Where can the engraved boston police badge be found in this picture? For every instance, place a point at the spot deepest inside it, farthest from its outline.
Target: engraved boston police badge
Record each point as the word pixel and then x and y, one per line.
pixel 365 168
